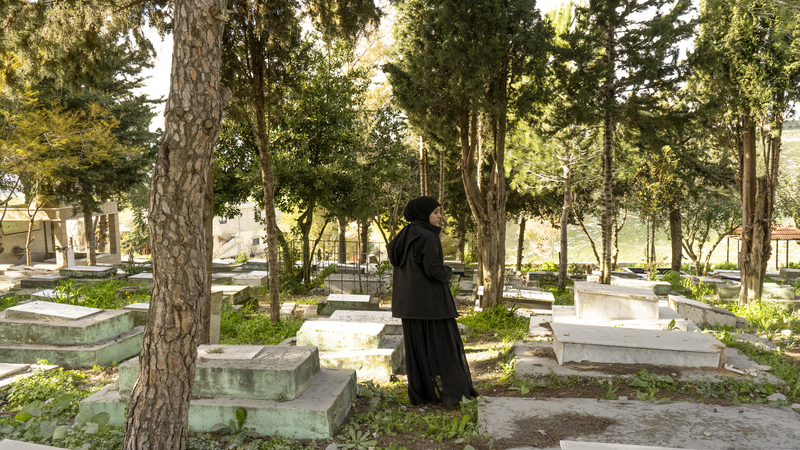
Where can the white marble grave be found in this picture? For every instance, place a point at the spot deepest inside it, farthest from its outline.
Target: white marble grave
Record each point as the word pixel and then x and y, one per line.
pixel 601 301
pixel 49 312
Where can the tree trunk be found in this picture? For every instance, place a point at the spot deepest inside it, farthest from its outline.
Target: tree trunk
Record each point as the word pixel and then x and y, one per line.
pixel 488 205
pixel 521 241
pixel 208 226
pixel 88 234
pixel 158 410
pixel 423 167
pixel 364 234
pixel 342 250
pixel 751 289
pixel 461 237
pixel 304 222
pixel 609 101
pixel 441 177
pixel 563 259
pixel 676 238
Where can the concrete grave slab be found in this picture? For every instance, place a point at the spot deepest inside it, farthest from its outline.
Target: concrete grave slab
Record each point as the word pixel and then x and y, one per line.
pixel 9 370
pixel 728 292
pixel 88 272
pixel 141 279
pixel 566 314
pixel 262 372
pixel 601 301
pixel 8 377
pixel 380 362
pixel 316 414
pixel 685 425
pixel 777 292
pixel 100 353
pixel 224 265
pixel 535 360
pixel 328 335
pixel 579 343
pixel 40 281
pixel 255 264
pixel 581 445
pixel 8 444
pixel 541 275
pixel 336 302
pixel 254 278
pixel 139 311
pixel 701 313
pixel 790 274
pixel 658 287
pixel 49 311
pixel 82 331
pixel 394 325
pixel 223 276
pixel 287 309
pixel 342 283
pixel 734 275
pixel 43 294
pixel 237 295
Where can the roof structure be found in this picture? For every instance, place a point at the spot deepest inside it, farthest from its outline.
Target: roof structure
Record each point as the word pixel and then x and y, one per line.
pixel 779 232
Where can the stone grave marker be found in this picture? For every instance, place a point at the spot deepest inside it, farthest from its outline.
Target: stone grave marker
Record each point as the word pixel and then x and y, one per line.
pixel 40 281
pixel 88 272
pixel 254 278
pixel 49 311
pixel 601 301
pixel 335 302
pixel 141 279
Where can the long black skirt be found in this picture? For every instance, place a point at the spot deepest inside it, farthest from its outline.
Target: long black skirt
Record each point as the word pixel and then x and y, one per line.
pixel 436 363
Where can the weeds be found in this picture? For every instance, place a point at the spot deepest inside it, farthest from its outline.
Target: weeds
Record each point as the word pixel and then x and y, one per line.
pixel 506 325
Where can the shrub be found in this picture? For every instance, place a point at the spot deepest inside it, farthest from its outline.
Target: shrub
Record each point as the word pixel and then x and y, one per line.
pixel 507 325
pixel 724 266
pixel 46 384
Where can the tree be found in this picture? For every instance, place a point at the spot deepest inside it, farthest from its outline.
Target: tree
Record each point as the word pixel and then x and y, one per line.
pixel 710 218
pixel 460 68
pixel 637 60
pixel 260 44
pixel 158 410
pixel 746 56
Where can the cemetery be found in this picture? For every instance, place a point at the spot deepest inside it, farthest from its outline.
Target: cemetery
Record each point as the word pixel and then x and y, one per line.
pixel 429 224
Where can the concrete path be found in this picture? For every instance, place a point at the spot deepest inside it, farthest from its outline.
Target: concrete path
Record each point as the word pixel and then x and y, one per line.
pixel 523 424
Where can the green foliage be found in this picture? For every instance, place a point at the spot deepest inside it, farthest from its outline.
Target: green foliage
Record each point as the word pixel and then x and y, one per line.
pixel 725 266
pixel 549 266
pixel 767 317
pixel 242 328
pixel 7 301
pixel 241 257
pixel 95 295
pixel 648 385
pixel 43 385
pixel 499 320
pixel 674 279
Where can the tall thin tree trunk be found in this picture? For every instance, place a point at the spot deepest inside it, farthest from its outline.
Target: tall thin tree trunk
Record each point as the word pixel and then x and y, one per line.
pixel 158 410
pixel 441 176
pixel 88 234
pixel 342 250
pixel 676 238
pixel 563 259
pixel 609 101
pixel 304 222
pixel 423 167
pixel 747 263
pixel 364 235
pixel 208 226
pixel 521 241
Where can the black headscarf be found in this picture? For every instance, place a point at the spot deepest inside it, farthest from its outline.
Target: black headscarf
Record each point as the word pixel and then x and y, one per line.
pixel 417 212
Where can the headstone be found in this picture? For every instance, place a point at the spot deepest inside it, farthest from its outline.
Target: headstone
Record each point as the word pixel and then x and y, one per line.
pixel 701 313
pixel 327 335
pixel 658 287
pixel 254 278
pixel 394 325
pixel 8 444
pixel 40 281
pixel 238 295
pixel 335 302
pixel 49 312
pixel 88 272
pixel 287 309
pixel 255 264
pixel 607 345
pixel 790 274
pixel 600 301
pixel 775 291
pixel 141 279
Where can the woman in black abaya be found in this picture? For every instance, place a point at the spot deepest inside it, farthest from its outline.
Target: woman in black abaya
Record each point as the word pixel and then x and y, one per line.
pixel 435 360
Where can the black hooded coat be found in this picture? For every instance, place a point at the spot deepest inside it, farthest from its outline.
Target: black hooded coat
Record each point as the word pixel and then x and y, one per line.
pixel 420 280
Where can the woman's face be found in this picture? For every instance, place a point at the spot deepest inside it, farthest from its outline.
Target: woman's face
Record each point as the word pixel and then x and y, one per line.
pixel 436 217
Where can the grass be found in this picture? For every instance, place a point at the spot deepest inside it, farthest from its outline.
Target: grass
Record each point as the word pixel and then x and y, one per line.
pixel 246 327
pixel 498 322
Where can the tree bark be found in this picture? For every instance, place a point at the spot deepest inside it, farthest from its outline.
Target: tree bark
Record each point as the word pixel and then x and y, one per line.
pixel 676 238
pixel 441 177
pixel 342 250
pixel 304 222
pixel 747 260
pixel 521 241
pixel 158 410
pixel 563 258
pixel 364 234
pixel 208 226
pixel 609 100
pixel 423 167
pixel 88 234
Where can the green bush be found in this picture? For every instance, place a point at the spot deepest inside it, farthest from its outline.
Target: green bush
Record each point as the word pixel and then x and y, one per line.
pixel 44 385
pixel 99 295
pixel 8 301
pixel 724 266
pixel 257 329
pixel 241 257
pixel 674 279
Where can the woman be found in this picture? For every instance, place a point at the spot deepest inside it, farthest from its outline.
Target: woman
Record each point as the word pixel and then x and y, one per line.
pixel 435 360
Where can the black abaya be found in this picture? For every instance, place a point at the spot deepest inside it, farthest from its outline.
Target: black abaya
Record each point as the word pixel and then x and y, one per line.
pixel 436 363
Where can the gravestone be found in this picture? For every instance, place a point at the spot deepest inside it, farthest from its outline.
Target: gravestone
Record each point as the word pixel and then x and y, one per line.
pixel 255 264
pixel 601 301
pixel 8 444
pixel 141 279
pixel 67 335
pixel 254 278
pixel 40 281
pixel 282 388
pixel 394 325
pixel 576 445
pixel 88 272
pixel 336 302
pixel 790 274
pixel 701 313
pixel 236 294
